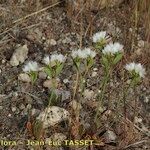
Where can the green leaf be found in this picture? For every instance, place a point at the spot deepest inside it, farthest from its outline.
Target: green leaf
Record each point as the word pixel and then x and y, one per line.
pixel 76 63
pixel 59 69
pixel 48 70
pixel 90 62
pixel 117 58
pixel 100 45
pixel 105 61
pixel 33 76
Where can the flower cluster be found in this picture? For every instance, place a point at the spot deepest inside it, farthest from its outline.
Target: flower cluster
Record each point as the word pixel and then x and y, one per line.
pixel 136 68
pixel 31 66
pixel 54 58
pixel 112 49
pixel 54 64
pixel 100 39
pixel 86 56
pixel 83 54
pixel 112 53
pixel 99 36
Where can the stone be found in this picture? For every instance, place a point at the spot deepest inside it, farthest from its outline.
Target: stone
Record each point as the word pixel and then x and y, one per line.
pixel 52 42
pixel 94 74
pixel 141 43
pixel 13 109
pixel 63 93
pixel 75 105
pixel 19 55
pixel 47 84
pixel 24 77
pixel 111 136
pixel 22 106
pixel 53 115
pixel 65 81
pixel 35 112
pixel 42 75
pixel 88 94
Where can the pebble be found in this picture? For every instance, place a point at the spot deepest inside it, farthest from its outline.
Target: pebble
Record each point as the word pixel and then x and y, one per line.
pixel 13 109
pixel 95 69
pixel 19 55
pixel 65 81
pixel 88 94
pixel 42 75
pixel 94 74
pixel 35 111
pixel 53 115
pixel 75 105
pixel 29 106
pixel 22 106
pixel 111 136
pixel 3 61
pixel 146 100
pixel 52 42
pixel 138 120
pixel 47 84
pixel 141 43
pixel 24 77
pixel 63 93
pixel 9 115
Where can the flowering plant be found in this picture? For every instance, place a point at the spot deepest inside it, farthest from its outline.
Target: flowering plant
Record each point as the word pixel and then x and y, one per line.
pixel 31 68
pixel 85 56
pixel 54 64
pixel 100 39
pixel 136 71
pixel 112 54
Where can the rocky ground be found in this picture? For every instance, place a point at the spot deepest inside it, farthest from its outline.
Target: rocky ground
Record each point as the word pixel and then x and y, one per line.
pixel 52 31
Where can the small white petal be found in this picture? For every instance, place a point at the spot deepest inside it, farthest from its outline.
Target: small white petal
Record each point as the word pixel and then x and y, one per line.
pixel 46 60
pixel 57 57
pixel 138 68
pixel 112 48
pixel 83 54
pixel 97 37
pixel 31 66
pixel 89 52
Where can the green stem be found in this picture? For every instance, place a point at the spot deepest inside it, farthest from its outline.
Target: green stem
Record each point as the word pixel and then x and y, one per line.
pixel 76 85
pixel 125 93
pixel 104 84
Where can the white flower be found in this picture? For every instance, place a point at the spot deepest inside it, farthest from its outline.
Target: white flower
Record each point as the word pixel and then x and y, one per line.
pixel 112 48
pixel 89 53
pixel 78 53
pixel 46 60
pixel 138 68
pixel 99 36
pixel 57 57
pixel 31 66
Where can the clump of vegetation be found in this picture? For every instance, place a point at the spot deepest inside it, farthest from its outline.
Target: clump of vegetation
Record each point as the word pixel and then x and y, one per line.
pixel 83 60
